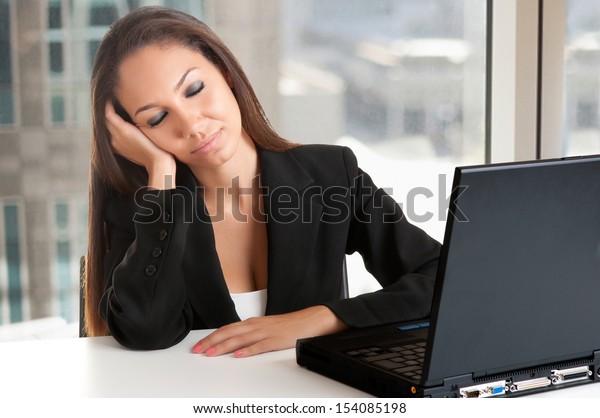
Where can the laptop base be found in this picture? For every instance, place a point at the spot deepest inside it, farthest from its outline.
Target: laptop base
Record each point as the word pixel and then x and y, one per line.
pixel 317 355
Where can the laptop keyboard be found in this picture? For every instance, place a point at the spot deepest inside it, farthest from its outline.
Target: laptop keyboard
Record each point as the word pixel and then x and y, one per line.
pixel 404 360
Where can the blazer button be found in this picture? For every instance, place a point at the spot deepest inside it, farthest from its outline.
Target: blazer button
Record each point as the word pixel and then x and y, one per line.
pixel 156 252
pixel 150 270
pixel 162 234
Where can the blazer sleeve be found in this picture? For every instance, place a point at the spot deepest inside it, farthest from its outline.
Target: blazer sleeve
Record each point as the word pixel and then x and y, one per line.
pixel 144 302
pixel 401 256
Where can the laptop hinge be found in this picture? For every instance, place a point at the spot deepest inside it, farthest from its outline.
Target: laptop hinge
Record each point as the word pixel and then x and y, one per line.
pixel 448 387
pixel 597 362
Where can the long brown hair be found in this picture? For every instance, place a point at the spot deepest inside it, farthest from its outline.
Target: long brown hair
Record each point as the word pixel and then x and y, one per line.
pixel 109 173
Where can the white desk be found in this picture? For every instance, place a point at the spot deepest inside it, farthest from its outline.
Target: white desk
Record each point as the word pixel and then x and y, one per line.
pixel 100 367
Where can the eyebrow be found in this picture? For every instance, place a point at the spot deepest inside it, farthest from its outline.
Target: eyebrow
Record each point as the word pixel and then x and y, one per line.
pixel 177 87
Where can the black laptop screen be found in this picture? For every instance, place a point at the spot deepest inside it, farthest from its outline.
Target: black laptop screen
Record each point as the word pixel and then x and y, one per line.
pixel 519 280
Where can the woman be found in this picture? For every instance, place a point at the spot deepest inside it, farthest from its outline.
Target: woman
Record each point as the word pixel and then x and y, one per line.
pixel 201 216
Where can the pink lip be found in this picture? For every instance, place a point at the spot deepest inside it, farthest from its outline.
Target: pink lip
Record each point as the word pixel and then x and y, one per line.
pixel 207 145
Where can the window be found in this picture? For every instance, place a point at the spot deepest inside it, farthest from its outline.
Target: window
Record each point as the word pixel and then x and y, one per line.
pixel 6 79
pixel 70 237
pixel 13 272
pixel 401 82
pixel 410 75
pixel 582 79
pixel 73 34
pixel 45 158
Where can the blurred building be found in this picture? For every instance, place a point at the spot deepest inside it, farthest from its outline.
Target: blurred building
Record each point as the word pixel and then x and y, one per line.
pixel 405 77
pixel 46 53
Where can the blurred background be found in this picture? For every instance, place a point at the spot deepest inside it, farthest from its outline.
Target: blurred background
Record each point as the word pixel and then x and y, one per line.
pixel 401 82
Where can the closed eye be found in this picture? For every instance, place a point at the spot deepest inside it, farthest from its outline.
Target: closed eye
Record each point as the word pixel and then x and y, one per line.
pixel 156 120
pixel 194 89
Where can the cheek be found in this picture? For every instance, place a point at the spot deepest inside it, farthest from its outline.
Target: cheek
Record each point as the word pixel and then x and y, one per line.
pixel 225 107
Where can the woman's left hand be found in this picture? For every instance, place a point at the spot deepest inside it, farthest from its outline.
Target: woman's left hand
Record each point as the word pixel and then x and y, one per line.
pixel 269 333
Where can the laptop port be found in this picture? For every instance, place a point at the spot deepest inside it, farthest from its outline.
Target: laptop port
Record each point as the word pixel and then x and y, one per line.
pixel 485 390
pixel 530 384
pixel 570 375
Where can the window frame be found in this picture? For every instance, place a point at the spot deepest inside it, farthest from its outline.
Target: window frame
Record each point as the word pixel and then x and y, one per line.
pixel 525 71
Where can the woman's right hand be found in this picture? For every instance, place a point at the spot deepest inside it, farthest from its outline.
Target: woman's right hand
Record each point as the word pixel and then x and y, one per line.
pixel 130 142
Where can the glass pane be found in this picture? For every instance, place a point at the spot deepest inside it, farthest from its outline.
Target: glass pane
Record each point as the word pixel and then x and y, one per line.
pixel 6 104
pixel 58 108
pixel 54 14
pixel 56 57
pixel 406 79
pixel 6 95
pixel 103 13
pixel 582 78
pixel 62 217
pixel 400 82
pixel 13 260
pixel 63 273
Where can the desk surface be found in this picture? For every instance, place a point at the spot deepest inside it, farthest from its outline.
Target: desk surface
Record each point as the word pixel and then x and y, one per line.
pixel 100 367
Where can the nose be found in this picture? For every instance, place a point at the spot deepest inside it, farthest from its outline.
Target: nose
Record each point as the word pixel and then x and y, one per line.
pixel 191 122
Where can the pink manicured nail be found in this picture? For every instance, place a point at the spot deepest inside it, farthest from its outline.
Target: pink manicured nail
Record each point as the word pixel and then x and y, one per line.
pixel 239 353
pixel 197 348
pixel 211 351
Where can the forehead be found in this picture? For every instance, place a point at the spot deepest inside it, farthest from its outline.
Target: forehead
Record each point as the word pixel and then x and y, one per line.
pixel 160 66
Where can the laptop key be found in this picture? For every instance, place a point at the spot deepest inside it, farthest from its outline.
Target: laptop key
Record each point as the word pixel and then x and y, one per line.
pixel 406 369
pixel 380 357
pixel 402 349
pixel 386 364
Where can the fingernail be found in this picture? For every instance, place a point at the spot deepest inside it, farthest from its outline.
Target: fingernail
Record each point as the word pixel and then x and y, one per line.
pixel 197 348
pixel 239 353
pixel 211 351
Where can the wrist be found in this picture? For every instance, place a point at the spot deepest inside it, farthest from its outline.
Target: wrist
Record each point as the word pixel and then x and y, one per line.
pixel 330 323
pixel 161 174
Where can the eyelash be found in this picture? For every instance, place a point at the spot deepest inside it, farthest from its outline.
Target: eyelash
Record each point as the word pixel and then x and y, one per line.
pixel 192 90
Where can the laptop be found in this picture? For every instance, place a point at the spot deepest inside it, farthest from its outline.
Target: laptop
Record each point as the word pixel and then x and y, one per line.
pixel 516 305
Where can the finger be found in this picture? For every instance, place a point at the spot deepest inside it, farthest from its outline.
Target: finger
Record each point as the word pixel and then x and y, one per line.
pixel 260 347
pixel 109 109
pixel 232 339
pixel 119 130
pixel 215 337
pixel 111 116
pixel 233 344
pixel 234 336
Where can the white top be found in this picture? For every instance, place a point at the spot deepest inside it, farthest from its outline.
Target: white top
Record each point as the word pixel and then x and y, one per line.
pixel 250 304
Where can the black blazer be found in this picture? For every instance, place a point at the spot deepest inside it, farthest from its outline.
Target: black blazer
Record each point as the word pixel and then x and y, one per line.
pixel 163 276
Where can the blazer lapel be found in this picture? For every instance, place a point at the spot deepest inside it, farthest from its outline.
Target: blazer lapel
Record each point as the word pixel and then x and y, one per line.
pixel 292 226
